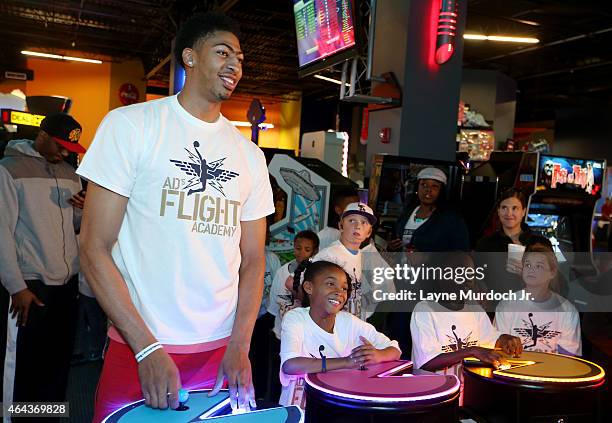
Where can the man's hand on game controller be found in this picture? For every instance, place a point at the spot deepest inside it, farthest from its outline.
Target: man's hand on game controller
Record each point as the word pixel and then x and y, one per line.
pixel 159 380
pixel 236 369
pixel 510 345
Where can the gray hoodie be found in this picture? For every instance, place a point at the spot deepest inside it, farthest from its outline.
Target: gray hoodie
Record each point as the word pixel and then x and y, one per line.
pixel 37 223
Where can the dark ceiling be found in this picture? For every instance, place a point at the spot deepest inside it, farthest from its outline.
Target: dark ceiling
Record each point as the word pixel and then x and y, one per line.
pixel 571 64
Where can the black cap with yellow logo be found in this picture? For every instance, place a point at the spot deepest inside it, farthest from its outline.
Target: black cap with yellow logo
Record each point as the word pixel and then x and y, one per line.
pixel 65 130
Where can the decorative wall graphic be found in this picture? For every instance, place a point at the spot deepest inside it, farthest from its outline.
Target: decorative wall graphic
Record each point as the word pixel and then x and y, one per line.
pixel 307 201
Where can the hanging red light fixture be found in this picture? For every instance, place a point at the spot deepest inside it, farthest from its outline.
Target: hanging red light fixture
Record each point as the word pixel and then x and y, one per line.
pixel 446 33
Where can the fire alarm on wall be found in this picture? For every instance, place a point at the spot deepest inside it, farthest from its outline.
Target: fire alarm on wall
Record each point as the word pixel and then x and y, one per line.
pixel 384 135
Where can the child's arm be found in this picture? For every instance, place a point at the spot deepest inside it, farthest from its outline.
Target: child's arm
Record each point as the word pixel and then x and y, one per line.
pixel 444 360
pixel 302 365
pixel 369 354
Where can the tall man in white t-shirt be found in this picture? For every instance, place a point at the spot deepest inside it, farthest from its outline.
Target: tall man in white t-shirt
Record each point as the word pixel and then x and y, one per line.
pixel 173 232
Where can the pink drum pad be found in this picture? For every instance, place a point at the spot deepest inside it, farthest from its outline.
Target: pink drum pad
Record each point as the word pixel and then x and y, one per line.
pixel 384 382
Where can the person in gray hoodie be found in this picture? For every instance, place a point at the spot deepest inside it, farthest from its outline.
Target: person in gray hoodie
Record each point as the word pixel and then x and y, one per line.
pixel 41 210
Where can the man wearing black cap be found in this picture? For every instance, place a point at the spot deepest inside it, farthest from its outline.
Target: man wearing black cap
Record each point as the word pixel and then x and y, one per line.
pixel 41 208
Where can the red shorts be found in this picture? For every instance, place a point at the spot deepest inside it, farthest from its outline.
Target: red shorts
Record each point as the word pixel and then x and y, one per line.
pixel 119 384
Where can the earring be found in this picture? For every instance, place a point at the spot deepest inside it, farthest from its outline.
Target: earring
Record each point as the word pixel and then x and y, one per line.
pixel 190 63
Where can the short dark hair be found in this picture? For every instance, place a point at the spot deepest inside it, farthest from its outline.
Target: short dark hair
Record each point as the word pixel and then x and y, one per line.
pixel 200 26
pixel 309 235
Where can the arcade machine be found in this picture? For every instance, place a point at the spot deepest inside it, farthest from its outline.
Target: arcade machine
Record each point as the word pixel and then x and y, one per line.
pixel 390 392
pixel 563 204
pixel 309 185
pixel 196 405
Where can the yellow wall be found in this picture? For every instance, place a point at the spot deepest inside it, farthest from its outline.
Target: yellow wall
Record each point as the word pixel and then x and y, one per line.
pixel 284 116
pixel 290 113
pixel 87 84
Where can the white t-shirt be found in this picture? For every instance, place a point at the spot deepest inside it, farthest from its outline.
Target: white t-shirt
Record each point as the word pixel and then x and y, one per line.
pixel 272 265
pixel 279 294
pixel 436 330
pixel 301 337
pixel 190 184
pixel 327 236
pixel 549 326
pixel 351 263
pixel 411 226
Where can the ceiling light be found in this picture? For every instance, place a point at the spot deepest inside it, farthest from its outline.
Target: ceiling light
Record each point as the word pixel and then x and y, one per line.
pixel 335 81
pixel 58 57
pixel 501 38
pixel 531 23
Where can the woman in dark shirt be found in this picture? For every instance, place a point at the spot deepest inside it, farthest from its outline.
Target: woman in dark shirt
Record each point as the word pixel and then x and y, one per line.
pixel 504 269
pixel 427 225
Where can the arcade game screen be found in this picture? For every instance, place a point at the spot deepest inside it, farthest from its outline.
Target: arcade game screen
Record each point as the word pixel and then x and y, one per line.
pixel 323 28
pixel 569 175
pixel 555 228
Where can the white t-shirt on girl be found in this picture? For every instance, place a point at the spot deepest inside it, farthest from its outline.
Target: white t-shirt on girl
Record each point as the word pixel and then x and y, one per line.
pixel 548 326
pixel 302 337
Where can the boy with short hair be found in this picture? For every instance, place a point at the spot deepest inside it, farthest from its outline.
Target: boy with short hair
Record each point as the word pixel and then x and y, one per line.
pixel 305 245
pixel 341 199
pixel 355 227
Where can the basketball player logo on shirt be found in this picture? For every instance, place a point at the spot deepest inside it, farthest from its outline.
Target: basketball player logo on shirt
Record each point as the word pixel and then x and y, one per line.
pixel 530 333
pixel 202 172
pixel 456 343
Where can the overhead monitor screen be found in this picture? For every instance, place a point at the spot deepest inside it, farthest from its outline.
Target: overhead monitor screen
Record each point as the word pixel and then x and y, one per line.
pixel 323 28
pixel 565 174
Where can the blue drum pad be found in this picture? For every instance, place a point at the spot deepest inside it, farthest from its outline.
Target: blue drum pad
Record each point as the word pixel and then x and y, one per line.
pixel 201 409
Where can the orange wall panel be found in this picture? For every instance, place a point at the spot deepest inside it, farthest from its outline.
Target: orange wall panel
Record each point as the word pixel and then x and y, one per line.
pixel 87 84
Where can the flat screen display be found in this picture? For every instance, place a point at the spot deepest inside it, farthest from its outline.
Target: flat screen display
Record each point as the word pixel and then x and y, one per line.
pixel 323 28
pixel 565 174
pixel 554 227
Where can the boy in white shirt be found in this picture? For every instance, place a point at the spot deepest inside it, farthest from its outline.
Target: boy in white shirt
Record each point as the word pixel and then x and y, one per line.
pixel 342 198
pixel 355 227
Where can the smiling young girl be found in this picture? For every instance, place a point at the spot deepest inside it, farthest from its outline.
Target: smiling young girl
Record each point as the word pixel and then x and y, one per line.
pixel 548 322
pixel 322 329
